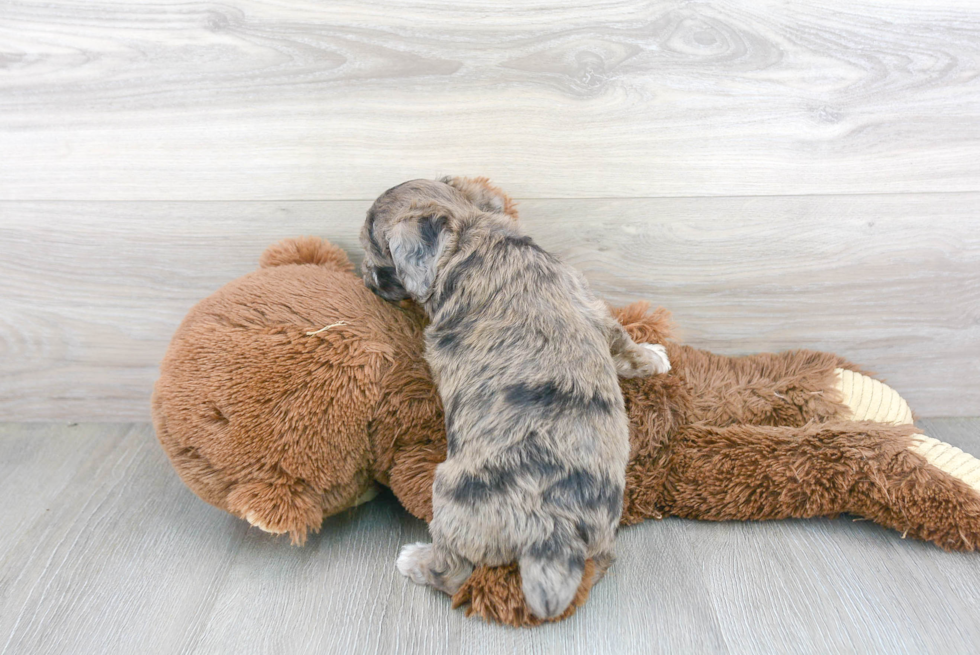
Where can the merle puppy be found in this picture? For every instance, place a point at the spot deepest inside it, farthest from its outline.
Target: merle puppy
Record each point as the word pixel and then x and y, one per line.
pixel 526 362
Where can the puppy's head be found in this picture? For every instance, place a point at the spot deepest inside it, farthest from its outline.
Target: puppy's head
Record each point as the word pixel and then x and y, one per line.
pixel 411 226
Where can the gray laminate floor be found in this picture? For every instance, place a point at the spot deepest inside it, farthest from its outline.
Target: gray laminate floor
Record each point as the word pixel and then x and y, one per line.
pixel 103 550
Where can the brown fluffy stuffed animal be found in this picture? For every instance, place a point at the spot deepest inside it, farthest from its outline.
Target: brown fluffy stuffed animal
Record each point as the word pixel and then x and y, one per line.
pixel 289 392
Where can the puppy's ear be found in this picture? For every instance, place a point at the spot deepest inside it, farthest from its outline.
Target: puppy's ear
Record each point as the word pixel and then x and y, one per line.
pixel 484 195
pixel 416 246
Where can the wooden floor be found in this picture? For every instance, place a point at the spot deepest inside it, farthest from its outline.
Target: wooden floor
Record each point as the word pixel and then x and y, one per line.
pixel 105 551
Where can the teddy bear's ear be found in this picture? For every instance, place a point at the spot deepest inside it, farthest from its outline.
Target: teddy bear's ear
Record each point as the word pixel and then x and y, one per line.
pixel 306 250
pixel 484 195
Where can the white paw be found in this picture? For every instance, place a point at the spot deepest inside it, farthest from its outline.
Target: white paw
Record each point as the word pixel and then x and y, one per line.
pixel 658 354
pixel 410 561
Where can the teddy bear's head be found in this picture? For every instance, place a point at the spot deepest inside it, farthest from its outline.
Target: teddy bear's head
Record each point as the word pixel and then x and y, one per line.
pixel 285 395
pixel 268 387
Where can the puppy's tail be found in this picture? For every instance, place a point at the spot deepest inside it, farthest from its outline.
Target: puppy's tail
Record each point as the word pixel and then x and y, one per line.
pixel 550 579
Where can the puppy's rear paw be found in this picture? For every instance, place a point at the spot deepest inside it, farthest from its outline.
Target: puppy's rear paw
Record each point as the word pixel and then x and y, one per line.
pixel 658 356
pixel 413 561
pixel 550 585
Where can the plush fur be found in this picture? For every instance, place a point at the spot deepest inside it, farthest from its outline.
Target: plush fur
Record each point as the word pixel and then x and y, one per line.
pixel 267 415
pixel 523 356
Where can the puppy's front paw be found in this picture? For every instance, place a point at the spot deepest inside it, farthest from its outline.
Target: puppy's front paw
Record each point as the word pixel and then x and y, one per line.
pixel 412 561
pixel 658 356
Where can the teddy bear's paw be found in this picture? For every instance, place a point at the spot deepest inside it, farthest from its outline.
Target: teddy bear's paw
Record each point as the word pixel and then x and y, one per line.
pixel 369 494
pixel 871 400
pixel 255 520
pixel 413 560
pixel 278 508
pixel 658 356
pixel 948 459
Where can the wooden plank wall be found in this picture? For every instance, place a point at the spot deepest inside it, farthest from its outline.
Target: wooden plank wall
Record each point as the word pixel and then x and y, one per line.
pixel 779 175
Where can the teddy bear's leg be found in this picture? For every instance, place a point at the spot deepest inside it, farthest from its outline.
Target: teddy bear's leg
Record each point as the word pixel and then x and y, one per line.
pixel 868 399
pixel 886 473
pixel 930 490
pixel 791 388
pixel 949 459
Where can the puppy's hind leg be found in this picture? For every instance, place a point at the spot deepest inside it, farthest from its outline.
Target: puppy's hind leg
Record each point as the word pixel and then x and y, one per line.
pixel 634 360
pixel 434 566
pixel 550 582
pixel 602 561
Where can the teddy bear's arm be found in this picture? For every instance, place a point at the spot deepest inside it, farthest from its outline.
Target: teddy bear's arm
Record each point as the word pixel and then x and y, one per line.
pixel 412 475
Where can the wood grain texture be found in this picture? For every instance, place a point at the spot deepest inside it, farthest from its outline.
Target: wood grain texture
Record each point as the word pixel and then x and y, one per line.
pixel 92 292
pixel 271 100
pixel 105 551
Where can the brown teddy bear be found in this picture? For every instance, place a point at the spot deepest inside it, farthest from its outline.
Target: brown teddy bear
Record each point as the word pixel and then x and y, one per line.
pixel 286 395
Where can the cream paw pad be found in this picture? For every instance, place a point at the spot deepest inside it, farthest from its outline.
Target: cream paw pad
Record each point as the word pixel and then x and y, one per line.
pixel 872 400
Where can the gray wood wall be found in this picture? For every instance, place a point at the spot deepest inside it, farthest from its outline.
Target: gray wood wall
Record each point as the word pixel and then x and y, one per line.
pixel 778 174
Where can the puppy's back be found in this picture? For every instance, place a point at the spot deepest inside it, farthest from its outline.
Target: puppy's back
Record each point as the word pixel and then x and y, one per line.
pixel 537 433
